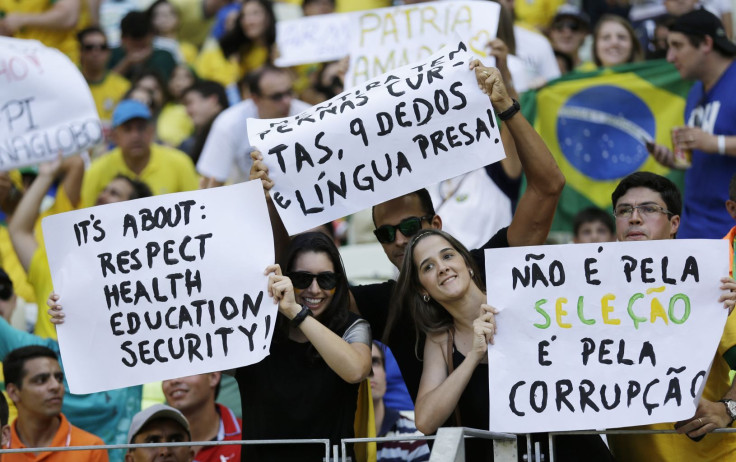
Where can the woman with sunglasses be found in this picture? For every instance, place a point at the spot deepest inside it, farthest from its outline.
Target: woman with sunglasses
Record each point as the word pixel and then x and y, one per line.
pixel 308 386
pixel 442 286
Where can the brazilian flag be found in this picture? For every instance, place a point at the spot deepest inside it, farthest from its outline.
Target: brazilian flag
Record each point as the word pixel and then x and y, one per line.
pixel 597 124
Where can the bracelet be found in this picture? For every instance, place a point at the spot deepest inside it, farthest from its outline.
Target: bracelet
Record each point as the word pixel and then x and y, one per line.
pixel 510 112
pixel 721 144
pixel 301 316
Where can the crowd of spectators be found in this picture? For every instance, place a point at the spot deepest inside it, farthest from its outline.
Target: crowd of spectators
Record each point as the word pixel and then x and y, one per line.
pixel 174 82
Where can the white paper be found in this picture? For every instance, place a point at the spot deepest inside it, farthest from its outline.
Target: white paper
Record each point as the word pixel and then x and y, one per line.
pixel 217 251
pixel 522 365
pixel 388 38
pixel 375 142
pixel 313 39
pixel 45 105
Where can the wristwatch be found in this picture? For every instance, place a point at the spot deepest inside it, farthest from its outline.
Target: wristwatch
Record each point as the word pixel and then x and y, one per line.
pixel 301 316
pixel 510 112
pixel 730 408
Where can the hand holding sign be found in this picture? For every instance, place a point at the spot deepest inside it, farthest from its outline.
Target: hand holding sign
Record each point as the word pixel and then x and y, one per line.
pixel 282 291
pixel 491 84
pixel 484 328
pixel 728 297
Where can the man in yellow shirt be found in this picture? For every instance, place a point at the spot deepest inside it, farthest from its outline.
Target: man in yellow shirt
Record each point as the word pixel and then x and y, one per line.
pixel 163 169
pixel 53 22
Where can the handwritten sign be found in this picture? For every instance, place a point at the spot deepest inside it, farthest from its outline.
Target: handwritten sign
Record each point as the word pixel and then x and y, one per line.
pixel 313 39
pixel 400 132
pixel 162 287
pixel 598 336
pixel 389 38
pixel 45 105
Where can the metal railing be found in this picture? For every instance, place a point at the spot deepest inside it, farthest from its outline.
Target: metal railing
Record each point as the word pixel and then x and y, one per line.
pixel 448 444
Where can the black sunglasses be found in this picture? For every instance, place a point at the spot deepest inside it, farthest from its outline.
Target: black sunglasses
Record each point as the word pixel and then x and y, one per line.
pixel 386 234
pixel 572 25
pixel 326 280
pixel 94 46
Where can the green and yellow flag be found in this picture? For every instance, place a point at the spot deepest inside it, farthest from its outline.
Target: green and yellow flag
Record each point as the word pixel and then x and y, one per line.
pixel 597 125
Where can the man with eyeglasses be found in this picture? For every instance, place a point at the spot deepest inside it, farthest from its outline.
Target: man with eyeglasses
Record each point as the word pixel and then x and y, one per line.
pixel 648 207
pixel 226 153
pixel 107 88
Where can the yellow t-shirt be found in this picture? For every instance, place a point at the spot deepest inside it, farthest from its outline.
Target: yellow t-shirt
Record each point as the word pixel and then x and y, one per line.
pixel 39 274
pixel 670 447
pixel 169 170
pixel 343 6
pixel 536 13
pixel 107 93
pixel 66 41
pixel 211 64
pixel 193 26
pixel 174 125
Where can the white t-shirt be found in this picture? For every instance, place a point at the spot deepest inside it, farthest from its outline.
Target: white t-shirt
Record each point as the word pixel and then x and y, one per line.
pixel 535 50
pixel 472 206
pixel 226 153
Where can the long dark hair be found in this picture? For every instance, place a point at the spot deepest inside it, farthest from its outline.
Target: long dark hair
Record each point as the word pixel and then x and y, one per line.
pixel 429 317
pixel 335 315
pixel 235 41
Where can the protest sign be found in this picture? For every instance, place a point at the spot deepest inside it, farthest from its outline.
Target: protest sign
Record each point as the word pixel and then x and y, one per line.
pixel 313 39
pixel 388 38
pixel 416 126
pixel 45 105
pixel 594 336
pixel 162 287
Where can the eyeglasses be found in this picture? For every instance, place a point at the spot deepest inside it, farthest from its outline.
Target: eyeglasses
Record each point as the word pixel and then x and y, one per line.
pixel 94 46
pixel 574 26
pixel 645 210
pixel 326 280
pixel 386 234
pixel 280 95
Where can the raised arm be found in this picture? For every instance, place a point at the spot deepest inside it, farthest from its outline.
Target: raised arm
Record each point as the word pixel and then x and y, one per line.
pixel 351 361
pixel 63 15
pixel 439 392
pixel 536 209
pixel 21 225
pixel 259 171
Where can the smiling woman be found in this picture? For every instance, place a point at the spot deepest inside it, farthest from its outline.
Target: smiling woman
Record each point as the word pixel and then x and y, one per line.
pixel 308 386
pixel 441 285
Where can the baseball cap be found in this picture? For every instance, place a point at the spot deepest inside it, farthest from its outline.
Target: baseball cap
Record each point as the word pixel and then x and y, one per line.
pixel 157 411
pixel 571 11
pixel 701 22
pixel 129 109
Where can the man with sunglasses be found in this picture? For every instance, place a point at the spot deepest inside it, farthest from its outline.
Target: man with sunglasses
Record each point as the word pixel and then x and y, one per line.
pixel 107 88
pixel 225 155
pixel 648 207
pixel 401 218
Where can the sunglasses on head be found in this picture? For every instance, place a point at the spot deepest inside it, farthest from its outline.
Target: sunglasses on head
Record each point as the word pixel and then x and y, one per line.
pixel 572 25
pixel 326 280
pixel 386 234
pixel 94 46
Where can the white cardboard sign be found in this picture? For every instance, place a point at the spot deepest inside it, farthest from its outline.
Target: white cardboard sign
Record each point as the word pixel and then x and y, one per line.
pixel 313 39
pixel 415 126
pixel 162 287
pixel 388 38
pixel 45 105
pixel 595 336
